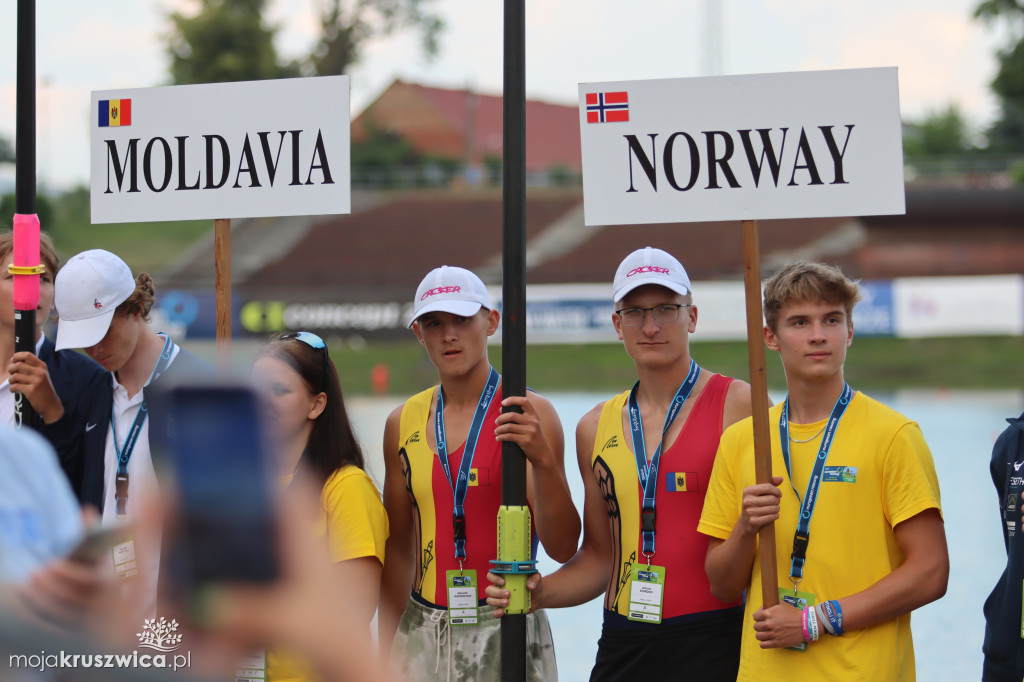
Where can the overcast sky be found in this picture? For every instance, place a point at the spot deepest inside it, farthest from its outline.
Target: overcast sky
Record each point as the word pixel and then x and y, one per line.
pixel 942 54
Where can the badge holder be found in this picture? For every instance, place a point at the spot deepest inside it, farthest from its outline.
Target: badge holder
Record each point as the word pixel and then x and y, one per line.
pixel 463 607
pixel 252 668
pixel 800 600
pixel 646 592
pixel 125 564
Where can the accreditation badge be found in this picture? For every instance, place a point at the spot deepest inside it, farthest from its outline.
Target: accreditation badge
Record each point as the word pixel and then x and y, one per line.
pixel 800 600
pixel 252 668
pixel 646 593
pixel 463 606
pixel 125 564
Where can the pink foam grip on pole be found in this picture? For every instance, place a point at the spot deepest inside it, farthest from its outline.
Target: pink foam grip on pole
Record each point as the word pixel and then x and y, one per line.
pixel 26 254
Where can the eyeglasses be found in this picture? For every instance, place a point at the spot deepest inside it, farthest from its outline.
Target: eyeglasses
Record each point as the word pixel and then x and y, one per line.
pixel 667 313
pixel 316 343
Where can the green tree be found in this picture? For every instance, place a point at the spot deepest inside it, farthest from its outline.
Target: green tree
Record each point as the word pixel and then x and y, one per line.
pixel 1006 134
pixel 346 26
pixel 226 40
pixel 381 148
pixel 6 150
pixel 44 209
pixel 942 132
pixel 381 158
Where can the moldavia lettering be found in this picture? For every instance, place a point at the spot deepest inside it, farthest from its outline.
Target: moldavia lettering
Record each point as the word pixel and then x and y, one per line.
pixel 253 163
pixel 713 155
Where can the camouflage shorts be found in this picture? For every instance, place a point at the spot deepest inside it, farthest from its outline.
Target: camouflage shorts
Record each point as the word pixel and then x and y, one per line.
pixel 427 649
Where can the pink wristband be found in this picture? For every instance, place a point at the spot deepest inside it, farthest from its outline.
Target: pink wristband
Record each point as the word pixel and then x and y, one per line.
pixel 803 622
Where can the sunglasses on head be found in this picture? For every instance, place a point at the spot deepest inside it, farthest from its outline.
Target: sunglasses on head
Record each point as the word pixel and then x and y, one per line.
pixel 316 343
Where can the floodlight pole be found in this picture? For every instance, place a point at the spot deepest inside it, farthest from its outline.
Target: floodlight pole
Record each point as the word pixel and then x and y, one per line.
pixel 25 258
pixel 513 331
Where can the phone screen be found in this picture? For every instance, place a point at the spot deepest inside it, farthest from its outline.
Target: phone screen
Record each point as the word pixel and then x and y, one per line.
pixel 226 499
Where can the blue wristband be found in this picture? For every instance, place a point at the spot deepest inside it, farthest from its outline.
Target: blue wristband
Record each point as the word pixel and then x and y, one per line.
pixel 834 613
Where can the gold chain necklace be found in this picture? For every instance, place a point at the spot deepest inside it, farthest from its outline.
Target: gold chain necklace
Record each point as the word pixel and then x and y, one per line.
pixel 794 440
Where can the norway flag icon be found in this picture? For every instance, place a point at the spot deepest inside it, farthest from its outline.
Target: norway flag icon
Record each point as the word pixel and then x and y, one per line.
pixel 607 107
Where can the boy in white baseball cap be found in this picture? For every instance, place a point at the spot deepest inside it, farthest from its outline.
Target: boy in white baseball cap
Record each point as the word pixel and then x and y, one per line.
pixel 451 290
pixel 104 311
pixel 453 530
pixel 646 456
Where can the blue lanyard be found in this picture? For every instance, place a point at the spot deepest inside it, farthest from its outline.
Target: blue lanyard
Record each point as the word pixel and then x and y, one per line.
pixel 648 473
pixel 461 485
pixel 802 535
pixel 124 454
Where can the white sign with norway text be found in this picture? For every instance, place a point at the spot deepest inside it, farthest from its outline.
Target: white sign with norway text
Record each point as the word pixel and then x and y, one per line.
pixel 224 150
pixel 784 145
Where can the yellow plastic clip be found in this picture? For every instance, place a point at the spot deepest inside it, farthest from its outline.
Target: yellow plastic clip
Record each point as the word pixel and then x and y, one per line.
pixel 26 269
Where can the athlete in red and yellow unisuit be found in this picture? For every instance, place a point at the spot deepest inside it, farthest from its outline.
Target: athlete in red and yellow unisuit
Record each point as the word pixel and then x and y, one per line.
pixel 427 485
pixel 645 457
pixel 442 491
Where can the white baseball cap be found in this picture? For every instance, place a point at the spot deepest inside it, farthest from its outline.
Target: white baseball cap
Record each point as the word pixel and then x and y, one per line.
pixel 86 292
pixel 450 290
pixel 649 266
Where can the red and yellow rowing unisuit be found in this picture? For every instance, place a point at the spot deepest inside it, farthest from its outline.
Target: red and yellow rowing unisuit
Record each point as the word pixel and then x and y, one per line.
pixel 683 477
pixel 433 502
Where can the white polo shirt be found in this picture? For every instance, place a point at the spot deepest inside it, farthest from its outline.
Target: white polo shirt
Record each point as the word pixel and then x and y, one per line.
pixel 142 484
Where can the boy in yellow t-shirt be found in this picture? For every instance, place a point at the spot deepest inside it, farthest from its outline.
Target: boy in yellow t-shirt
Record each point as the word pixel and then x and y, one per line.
pixel 860 541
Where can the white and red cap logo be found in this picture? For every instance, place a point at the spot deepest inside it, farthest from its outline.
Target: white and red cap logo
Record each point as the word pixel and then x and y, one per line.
pixel 450 290
pixel 87 291
pixel 649 266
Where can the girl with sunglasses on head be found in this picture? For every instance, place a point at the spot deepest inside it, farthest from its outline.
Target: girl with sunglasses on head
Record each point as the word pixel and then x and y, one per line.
pixel 313 438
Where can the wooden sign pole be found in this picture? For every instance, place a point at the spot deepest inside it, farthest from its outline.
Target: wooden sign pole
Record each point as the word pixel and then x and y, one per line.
pixel 222 254
pixel 759 403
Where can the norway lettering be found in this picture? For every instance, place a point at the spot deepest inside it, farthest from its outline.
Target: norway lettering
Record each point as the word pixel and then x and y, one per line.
pixel 251 163
pixel 720 159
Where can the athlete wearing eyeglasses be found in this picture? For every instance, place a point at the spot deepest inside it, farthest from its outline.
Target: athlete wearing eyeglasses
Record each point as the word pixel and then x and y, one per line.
pixel 645 457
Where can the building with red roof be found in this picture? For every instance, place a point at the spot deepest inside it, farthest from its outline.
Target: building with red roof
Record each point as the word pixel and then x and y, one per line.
pixel 466 126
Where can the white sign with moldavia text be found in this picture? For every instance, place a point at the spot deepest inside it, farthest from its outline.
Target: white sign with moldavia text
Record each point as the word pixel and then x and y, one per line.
pixel 224 150
pixel 784 145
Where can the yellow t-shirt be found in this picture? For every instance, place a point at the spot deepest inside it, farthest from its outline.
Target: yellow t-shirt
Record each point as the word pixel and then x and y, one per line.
pixel 879 473
pixel 356 526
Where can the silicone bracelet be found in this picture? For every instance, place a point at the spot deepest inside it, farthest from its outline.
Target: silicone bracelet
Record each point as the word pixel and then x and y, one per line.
pixel 823 619
pixel 812 624
pixel 834 615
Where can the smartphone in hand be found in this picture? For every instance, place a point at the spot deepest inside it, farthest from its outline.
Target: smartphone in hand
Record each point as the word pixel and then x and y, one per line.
pixel 227 519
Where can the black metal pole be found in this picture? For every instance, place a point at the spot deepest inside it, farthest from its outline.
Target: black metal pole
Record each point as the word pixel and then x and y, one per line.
pixel 513 331
pixel 25 188
pixel 25 117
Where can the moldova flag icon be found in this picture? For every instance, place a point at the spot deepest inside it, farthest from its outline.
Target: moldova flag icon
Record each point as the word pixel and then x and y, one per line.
pixel 479 477
pixel 607 107
pixel 681 482
pixel 115 112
